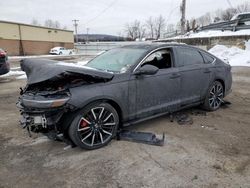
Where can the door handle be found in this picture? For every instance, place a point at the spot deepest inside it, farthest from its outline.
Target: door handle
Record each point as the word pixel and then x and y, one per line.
pixel 175 75
pixel 207 70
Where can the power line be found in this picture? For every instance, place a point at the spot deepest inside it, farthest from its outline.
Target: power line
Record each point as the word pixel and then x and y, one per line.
pixel 103 11
pixel 171 12
pixel 230 4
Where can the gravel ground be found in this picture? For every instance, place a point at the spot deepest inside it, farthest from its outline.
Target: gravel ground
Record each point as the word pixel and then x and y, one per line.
pixel 212 152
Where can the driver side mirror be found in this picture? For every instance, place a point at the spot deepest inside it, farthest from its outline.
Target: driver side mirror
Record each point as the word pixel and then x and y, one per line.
pixel 146 70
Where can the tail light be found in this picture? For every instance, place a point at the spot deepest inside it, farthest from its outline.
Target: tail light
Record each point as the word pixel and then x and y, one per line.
pixel 2 54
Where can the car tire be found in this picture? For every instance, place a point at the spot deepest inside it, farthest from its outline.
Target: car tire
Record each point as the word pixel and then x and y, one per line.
pixel 214 97
pixel 60 53
pixel 94 126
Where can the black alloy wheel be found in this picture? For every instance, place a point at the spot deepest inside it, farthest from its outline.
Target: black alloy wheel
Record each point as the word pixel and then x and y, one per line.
pixel 94 126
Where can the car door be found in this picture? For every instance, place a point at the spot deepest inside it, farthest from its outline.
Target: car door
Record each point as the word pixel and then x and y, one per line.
pixel 157 93
pixel 193 81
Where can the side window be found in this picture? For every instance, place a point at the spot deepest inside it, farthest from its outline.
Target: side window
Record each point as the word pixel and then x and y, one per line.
pixel 160 59
pixel 207 58
pixel 61 48
pixel 189 56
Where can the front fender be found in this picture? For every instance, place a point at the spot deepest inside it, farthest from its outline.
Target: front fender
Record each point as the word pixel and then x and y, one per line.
pixel 82 96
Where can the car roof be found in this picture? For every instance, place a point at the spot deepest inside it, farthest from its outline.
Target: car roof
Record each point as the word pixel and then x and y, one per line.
pixel 154 45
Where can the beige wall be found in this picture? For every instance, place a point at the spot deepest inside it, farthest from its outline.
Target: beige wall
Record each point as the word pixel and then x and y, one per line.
pixel 11 31
pixel 41 34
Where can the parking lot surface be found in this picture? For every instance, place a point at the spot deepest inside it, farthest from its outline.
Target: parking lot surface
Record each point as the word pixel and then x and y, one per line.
pixel 212 152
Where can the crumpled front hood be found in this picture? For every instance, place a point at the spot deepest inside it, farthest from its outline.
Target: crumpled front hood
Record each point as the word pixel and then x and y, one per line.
pixel 39 70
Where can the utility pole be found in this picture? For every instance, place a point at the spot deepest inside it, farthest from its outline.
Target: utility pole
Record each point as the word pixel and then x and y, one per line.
pixel 87 35
pixel 183 16
pixel 76 25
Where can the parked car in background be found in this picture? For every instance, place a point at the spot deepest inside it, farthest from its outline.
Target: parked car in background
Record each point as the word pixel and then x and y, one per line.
pixel 4 64
pixel 61 51
pixel 120 87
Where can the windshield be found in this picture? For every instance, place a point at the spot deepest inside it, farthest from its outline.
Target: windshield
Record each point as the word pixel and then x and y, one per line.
pixel 116 60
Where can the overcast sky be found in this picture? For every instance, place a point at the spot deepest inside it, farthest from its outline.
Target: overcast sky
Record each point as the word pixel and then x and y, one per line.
pixel 104 16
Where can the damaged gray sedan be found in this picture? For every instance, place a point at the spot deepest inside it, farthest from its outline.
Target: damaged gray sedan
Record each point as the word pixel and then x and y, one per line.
pixel 87 105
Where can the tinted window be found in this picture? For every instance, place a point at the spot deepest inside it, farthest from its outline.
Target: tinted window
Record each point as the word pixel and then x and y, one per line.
pixel 207 58
pixel 189 56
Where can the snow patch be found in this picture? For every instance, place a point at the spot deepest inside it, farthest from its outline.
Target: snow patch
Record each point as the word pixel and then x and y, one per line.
pixel 13 73
pixel 81 63
pixel 235 56
pixel 40 140
pixel 247 44
pixel 69 64
pixel 212 33
pixel 21 77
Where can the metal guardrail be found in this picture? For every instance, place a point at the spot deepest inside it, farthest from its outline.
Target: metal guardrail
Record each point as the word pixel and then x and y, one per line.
pixel 232 25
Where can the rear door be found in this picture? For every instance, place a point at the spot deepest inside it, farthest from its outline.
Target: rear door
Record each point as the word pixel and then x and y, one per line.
pixel 193 81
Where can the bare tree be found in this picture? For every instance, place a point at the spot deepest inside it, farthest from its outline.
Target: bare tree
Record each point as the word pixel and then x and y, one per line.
pixel 49 23
pixel 57 24
pixel 52 24
pixel 135 30
pixel 150 26
pixel 170 28
pixel 35 22
pixel 217 14
pixel 187 26
pixel 204 20
pixel 228 14
pixel 159 26
pixel 194 25
pixel 245 7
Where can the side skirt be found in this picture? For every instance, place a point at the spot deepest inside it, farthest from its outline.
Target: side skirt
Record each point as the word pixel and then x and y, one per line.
pixel 136 121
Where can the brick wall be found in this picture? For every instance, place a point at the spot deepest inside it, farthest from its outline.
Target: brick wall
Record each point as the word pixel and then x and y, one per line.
pixel 13 47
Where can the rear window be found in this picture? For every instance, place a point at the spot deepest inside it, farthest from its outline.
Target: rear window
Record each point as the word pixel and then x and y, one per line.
pixel 207 58
pixel 189 56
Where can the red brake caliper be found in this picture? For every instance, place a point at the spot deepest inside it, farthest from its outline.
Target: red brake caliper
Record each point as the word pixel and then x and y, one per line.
pixel 83 123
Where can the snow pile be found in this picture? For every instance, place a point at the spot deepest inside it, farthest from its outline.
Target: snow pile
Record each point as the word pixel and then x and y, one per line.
pixel 235 56
pixel 82 63
pixel 247 44
pixel 13 73
pixel 212 33
pixel 21 77
pixel 69 64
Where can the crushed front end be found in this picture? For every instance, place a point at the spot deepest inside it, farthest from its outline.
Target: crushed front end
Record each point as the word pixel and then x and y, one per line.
pixel 43 110
pixel 46 101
